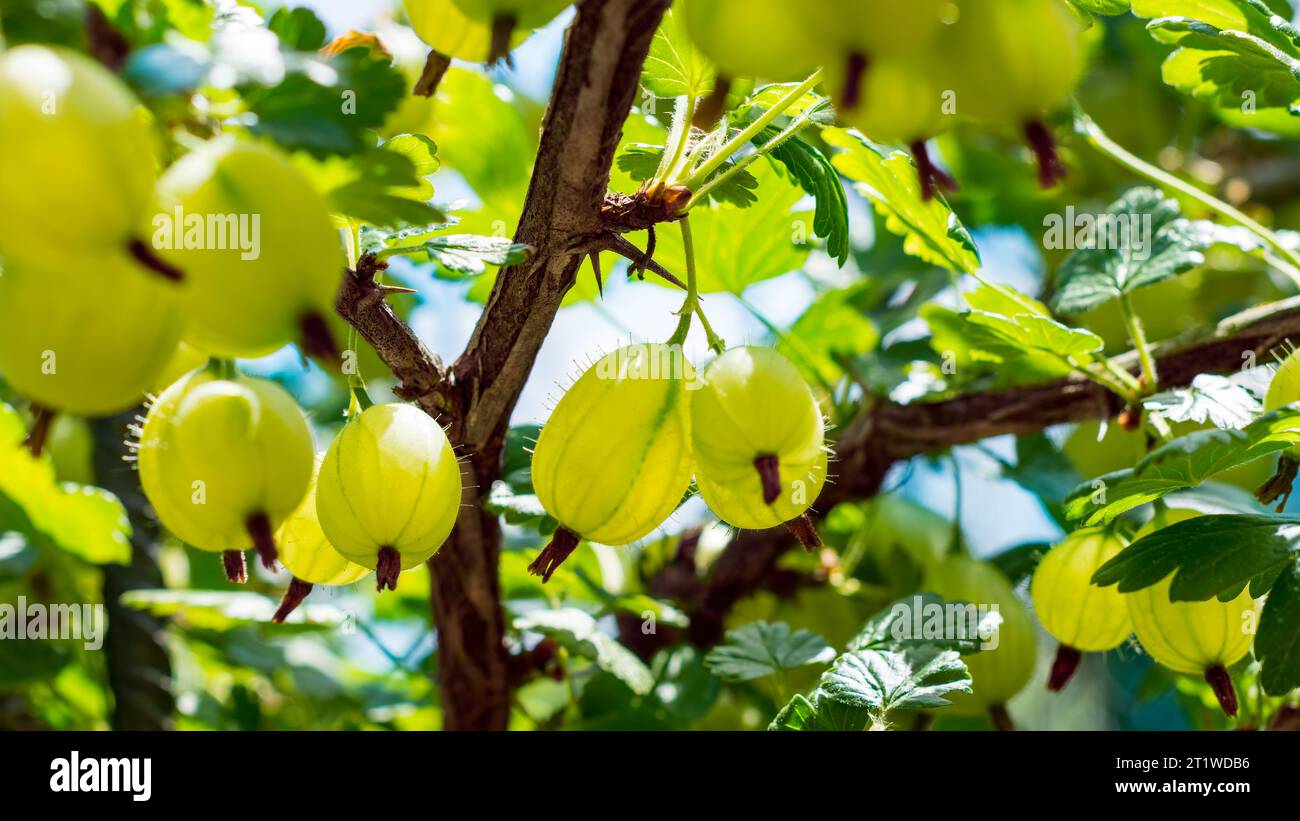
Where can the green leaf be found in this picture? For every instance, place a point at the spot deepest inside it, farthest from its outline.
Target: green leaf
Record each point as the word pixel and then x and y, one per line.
pixel 1212 555
pixel 815 174
pixel 930 230
pixel 675 67
pixel 903 623
pixel 738 247
pixel 327 106
pixel 1183 463
pixel 385 186
pixel 761 649
pixel 1107 8
pixel 1277 644
pixel 1216 399
pixel 299 29
pixel 820 713
pixel 1141 239
pixel 1034 332
pixel 84 521
pixel 221 610
pixel 1229 51
pixel 464 255
pixel 881 681
pixel 576 631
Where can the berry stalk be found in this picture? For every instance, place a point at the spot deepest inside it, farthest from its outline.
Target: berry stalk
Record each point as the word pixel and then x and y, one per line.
pixel 561 546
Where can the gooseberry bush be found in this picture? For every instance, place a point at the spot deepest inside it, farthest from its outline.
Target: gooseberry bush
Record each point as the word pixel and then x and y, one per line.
pixel 929 363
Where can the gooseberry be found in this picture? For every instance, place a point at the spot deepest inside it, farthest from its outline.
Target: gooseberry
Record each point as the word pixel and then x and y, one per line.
pixel 759 441
pixel 1083 617
pixel 389 490
pixel 505 17
pixel 223 459
pixel 88 340
pixel 74 151
pixel 614 459
pixel 262 259
pixel 750 38
pixel 308 555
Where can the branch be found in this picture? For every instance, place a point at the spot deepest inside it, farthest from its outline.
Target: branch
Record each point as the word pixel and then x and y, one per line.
pixel 597 81
pixel 889 433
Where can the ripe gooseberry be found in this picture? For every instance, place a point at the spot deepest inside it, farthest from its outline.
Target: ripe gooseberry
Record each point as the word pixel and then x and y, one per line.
pixel 389 490
pixel 750 38
pixel 1083 617
pixel 90 339
pixel 1202 638
pixel 903 101
pixel 74 151
pixel 891 28
pixel 223 459
pixel 505 17
pixel 262 258
pixel 614 459
pixel 759 441
pixel 449 31
pixel 1017 59
pixel 996 674
pixel 308 555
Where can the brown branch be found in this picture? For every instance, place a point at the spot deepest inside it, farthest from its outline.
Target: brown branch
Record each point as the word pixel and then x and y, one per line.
pixel 593 94
pixel 890 433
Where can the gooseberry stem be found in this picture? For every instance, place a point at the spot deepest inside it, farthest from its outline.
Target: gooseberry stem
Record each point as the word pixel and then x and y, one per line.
pixel 740 165
pixel 1089 130
pixel 691 305
pixel 696 179
pixel 1139 338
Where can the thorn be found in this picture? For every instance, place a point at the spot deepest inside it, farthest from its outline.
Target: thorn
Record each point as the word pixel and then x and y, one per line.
pixel 638 266
pixel 389 290
pixel 595 266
